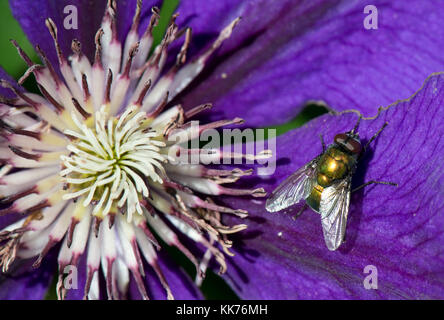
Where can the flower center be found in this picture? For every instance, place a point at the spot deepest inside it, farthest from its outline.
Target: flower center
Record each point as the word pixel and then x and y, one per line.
pixel 111 160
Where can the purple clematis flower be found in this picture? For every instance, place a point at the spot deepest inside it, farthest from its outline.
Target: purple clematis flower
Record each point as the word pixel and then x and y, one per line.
pixel 281 56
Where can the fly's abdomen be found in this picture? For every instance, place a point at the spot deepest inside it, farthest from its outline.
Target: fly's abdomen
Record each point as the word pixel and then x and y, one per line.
pixel 314 199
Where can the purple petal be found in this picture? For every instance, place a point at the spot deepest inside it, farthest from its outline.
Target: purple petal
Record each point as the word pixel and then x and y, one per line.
pixel 26 283
pixel 8 219
pixel 7 93
pixel 125 11
pixel 208 18
pixel 286 53
pixel 399 230
pixel 32 15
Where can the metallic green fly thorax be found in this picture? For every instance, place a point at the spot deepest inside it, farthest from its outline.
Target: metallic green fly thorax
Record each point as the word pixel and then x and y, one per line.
pixel 334 164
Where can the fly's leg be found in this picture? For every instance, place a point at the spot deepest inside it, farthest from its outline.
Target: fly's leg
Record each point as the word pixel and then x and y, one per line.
pixel 305 206
pixel 322 142
pixel 374 182
pixel 357 124
pixel 363 151
pixel 372 138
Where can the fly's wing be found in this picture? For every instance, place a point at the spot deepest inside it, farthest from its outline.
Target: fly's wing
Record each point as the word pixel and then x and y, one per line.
pixel 296 187
pixel 335 201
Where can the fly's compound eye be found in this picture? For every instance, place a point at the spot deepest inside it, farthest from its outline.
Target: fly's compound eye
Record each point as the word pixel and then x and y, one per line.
pixel 349 143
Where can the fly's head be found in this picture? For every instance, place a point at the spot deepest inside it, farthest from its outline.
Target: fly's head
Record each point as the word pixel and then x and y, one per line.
pixel 350 142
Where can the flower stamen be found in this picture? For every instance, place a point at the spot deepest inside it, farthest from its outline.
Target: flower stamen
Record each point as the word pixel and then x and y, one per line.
pixel 110 159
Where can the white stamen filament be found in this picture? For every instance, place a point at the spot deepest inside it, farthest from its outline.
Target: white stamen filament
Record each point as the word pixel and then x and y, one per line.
pixel 110 161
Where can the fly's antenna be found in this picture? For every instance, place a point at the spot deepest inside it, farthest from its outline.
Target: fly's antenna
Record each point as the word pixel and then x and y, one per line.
pixel 356 125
